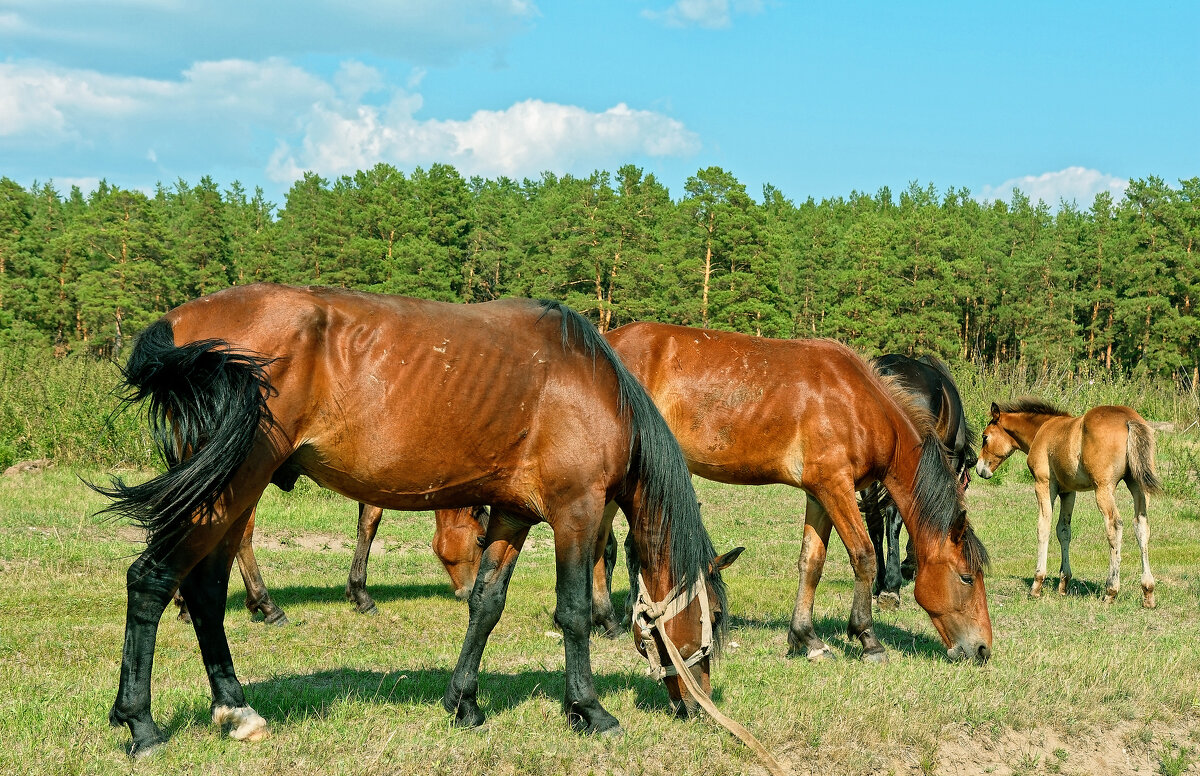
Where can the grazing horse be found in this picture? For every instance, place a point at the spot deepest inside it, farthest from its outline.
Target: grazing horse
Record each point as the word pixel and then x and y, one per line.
pixel 814 415
pixel 411 405
pixel 1067 455
pixel 929 382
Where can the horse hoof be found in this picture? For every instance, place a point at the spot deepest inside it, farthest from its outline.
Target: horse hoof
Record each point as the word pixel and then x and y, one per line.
pixel 878 657
pixel 371 610
pixel 889 601
pixel 1148 601
pixel 143 751
pixel 820 655
pixel 1035 591
pixel 278 620
pixel 245 724
pixel 1109 598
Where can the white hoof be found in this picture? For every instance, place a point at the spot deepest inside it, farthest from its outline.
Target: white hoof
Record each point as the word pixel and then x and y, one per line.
pixel 245 724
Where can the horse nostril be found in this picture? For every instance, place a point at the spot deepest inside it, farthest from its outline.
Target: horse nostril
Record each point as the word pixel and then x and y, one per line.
pixel 983 653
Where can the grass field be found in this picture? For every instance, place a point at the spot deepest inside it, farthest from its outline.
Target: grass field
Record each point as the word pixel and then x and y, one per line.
pixel 1074 687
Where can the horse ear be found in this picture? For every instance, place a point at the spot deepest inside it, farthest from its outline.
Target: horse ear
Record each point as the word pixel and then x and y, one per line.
pixel 724 561
pixel 995 411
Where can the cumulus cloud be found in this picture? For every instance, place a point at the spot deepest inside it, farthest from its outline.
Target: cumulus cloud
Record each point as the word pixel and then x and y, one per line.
pixel 710 14
pixel 279 117
pixel 1074 184
pixel 524 139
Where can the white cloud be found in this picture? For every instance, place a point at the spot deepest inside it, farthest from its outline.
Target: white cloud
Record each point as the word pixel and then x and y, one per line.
pixel 524 139
pixel 1074 184
pixel 710 14
pixel 276 116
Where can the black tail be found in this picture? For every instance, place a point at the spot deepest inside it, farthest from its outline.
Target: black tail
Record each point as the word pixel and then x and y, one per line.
pixel 661 468
pixel 206 405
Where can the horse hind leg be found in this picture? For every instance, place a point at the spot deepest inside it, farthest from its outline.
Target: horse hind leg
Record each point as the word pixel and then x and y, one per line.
pixel 356 583
pixel 1142 531
pixel 206 589
pixel 1063 530
pixel 1105 499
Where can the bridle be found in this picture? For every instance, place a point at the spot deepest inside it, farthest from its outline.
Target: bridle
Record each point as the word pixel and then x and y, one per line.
pixel 651 615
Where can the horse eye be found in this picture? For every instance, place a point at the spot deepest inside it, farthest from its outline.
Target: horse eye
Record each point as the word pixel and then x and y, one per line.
pixel 967 579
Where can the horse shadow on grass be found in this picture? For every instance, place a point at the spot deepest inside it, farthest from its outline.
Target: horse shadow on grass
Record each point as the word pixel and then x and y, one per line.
pixel 285 597
pixel 1080 588
pixel 832 630
pixel 302 696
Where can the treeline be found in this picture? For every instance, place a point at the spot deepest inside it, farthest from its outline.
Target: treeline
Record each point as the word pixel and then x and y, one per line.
pixel 1115 284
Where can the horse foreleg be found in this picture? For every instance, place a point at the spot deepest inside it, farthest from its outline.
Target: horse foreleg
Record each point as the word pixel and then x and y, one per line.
pixel 258 600
pixel 892 579
pixel 840 507
pixel 206 589
pixel 356 584
pixel 1044 490
pixel 1105 499
pixel 801 634
pixel 1142 530
pixel 603 614
pixel 876 530
pixel 575 563
pixel 502 545
pixel 1063 530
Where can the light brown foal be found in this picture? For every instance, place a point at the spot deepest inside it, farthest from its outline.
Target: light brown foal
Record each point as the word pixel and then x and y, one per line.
pixel 1068 454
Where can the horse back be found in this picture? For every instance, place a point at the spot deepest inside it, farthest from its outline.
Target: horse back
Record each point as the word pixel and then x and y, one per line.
pixel 1082 452
pixel 409 403
pixel 750 410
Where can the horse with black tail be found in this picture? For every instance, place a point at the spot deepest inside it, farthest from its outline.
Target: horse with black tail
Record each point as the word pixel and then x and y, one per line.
pixel 410 405
pixel 929 382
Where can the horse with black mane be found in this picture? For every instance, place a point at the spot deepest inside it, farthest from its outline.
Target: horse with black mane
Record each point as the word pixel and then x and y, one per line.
pixel 929 382
pixel 407 404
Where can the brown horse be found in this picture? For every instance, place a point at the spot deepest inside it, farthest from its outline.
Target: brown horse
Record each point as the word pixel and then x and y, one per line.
pixel 407 404
pixel 814 415
pixel 1070 454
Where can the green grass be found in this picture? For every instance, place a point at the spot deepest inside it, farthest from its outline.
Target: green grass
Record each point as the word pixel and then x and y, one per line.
pixel 349 694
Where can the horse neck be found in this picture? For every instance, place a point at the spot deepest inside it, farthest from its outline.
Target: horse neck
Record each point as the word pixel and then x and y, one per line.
pixel 901 479
pixel 1024 426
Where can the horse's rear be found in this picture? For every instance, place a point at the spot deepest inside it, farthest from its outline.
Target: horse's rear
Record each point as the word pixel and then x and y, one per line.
pixel 405 404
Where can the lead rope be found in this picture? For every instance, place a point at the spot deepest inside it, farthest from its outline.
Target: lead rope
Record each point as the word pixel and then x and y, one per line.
pixel 681 666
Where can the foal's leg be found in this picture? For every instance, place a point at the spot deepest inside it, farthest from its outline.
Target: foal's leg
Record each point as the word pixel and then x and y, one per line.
pixel 1142 530
pixel 206 589
pixel 1106 500
pixel 257 597
pixel 801 634
pixel 505 536
pixel 1065 507
pixel 1046 492
pixel 356 585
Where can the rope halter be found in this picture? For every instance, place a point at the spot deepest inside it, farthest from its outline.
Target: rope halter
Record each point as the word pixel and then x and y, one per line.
pixel 650 614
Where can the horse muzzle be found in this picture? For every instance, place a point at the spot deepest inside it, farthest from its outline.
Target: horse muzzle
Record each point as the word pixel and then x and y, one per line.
pixel 983 470
pixel 978 652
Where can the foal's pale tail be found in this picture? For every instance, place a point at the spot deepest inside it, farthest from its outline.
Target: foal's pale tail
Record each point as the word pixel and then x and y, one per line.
pixel 1139 456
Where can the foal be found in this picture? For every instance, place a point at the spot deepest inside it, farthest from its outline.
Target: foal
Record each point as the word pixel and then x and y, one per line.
pixel 1069 454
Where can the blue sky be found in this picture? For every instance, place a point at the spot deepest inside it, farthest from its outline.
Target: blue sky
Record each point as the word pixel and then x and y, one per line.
pixel 1063 100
